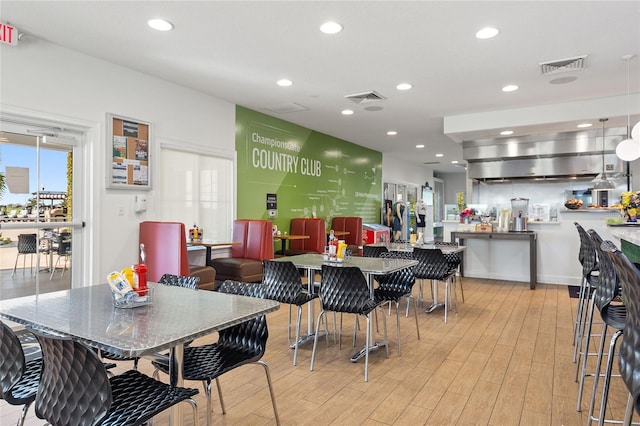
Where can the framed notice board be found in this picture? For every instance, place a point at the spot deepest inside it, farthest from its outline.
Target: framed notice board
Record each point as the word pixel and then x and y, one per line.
pixel 129 146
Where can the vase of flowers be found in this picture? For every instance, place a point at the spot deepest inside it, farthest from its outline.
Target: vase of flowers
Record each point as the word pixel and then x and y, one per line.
pixel 466 215
pixel 630 206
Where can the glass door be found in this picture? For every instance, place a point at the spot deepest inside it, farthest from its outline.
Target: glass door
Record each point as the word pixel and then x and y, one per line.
pixel 37 229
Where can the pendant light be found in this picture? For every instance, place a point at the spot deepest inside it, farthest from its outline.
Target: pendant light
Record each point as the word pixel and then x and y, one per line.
pixel 629 149
pixel 602 182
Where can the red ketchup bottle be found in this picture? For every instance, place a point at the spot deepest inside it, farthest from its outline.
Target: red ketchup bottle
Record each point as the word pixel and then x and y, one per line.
pixel 140 279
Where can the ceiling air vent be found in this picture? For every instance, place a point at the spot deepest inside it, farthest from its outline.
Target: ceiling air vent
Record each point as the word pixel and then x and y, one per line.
pixel 365 97
pixel 429 163
pixel 563 65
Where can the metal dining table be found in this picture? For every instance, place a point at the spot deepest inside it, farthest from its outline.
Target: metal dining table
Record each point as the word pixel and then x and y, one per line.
pixel 370 267
pixel 176 315
pixel 407 247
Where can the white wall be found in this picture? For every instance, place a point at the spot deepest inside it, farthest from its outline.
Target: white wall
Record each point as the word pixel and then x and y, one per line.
pixel 44 79
pixel 395 170
pixel 453 183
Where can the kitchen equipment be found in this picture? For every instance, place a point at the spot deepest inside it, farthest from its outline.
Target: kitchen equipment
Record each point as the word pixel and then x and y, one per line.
pixel 520 223
pixel 519 213
pixel 600 197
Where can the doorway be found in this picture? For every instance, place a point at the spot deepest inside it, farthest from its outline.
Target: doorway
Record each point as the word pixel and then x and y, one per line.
pixel 38 222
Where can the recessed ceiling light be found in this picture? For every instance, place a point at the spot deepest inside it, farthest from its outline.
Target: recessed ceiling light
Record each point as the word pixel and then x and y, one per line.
pixel 347 112
pixel 420 146
pixel 160 24
pixel 392 133
pixel 439 155
pixel 510 88
pixel 454 161
pixel 506 132
pixel 330 27
pixel 584 125
pixel 404 86
pixel 284 82
pixel 486 33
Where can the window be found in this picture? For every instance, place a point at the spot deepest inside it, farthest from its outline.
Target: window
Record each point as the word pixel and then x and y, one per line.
pixel 197 189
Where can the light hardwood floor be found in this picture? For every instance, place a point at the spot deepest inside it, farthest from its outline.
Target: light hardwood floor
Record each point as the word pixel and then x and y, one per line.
pixel 505 359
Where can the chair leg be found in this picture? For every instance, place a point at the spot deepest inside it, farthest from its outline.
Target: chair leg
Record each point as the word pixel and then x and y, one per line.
pixel 206 384
pixel 578 349
pixel 315 340
pixel 415 311
pixel 15 265
pixel 446 300
pixel 222 407
pixel 194 409
pixel 289 328
pixel 273 397
pixel 296 343
pixel 461 287
pixel 398 325
pixel 581 370
pixel 23 414
pixel 367 343
pixel 607 378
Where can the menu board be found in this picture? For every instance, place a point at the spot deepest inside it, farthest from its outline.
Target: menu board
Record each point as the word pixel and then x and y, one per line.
pixel 129 161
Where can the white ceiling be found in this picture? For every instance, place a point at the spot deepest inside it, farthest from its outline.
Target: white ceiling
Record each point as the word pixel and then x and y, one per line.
pixel 237 50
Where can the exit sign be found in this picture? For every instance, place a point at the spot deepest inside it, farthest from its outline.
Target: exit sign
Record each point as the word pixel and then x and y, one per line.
pixel 8 34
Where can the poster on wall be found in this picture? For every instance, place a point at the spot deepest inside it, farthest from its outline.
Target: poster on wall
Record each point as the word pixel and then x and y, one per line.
pixel 128 142
pixel 311 173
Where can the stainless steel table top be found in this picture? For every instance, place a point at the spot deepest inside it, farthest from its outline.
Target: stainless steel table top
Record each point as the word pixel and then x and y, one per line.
pixel 368 265
pixel 176 315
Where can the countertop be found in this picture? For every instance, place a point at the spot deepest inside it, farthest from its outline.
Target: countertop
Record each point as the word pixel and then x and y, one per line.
pixel 628 233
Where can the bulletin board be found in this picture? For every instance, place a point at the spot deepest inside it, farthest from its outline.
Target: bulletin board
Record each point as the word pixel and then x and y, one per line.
pixel 129 153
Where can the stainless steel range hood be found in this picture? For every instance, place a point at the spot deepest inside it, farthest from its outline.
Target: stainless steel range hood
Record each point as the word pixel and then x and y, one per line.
pixel 573 155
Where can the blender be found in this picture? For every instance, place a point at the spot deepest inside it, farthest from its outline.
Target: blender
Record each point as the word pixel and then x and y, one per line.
pixel 519 213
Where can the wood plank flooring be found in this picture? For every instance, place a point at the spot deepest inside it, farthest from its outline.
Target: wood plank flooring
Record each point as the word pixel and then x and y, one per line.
pixel 504 359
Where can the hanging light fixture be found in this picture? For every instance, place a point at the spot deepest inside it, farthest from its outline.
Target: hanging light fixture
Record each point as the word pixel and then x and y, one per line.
pixel 601 182
pixel 629 149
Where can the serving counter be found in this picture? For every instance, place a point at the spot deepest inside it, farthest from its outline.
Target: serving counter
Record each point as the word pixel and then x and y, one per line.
pixel 529 236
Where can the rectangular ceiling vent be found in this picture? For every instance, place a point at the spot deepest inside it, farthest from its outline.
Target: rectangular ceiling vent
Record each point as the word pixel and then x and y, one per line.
pixel 365 97
pixel 576 63
pixel 429 163
pixel 285 108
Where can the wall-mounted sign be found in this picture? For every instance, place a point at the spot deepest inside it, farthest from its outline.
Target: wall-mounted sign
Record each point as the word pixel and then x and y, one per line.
pixel 272 201
pixel 8 34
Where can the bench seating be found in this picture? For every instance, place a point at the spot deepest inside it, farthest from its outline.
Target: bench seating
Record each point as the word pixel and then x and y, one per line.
pixel 165 246
pixel 353 225
pixel 255 238
pixel 315 229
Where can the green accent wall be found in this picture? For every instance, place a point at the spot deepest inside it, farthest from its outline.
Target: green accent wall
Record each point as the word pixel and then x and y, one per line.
pixel 307 170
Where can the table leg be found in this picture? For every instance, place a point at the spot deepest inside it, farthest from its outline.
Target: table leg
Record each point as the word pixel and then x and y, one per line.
pixel 283 248
pixel 207 261
pixel 176 355
pixel 533 262
pixel 435 305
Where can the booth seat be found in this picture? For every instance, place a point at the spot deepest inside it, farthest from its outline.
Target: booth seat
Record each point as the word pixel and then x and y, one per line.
pixel 314 228
pixel 353 225
pixel 165 245
pixel 255 238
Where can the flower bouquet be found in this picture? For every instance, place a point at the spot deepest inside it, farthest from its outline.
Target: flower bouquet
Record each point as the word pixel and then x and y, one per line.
pixel 466 215
pixel 630 206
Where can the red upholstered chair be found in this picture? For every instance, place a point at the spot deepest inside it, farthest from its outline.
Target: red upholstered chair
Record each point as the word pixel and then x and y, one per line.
pixel 165 245
pixel 353 225
pixel 255 238
pixel 314 228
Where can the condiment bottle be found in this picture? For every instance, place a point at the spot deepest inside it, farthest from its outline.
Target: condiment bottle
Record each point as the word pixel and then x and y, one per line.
pixel 128 274
pixel 140 279
pixel 119 285
pixel 333 246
